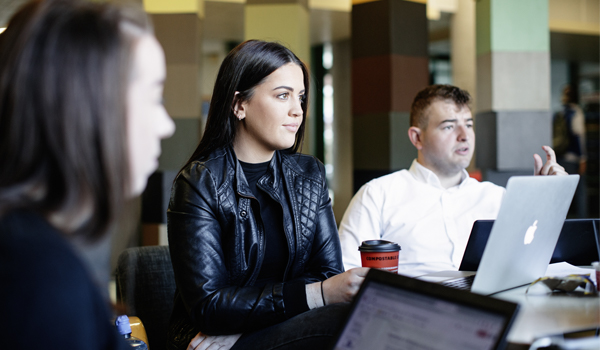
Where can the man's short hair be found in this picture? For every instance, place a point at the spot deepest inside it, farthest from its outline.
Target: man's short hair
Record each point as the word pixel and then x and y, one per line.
pixel 432 93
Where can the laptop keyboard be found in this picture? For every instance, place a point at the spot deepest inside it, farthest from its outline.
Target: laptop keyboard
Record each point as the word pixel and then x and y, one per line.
pixel 464 283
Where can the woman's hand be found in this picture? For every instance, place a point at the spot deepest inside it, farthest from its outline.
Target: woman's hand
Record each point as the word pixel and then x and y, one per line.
pixel 213 342
pixel 342 288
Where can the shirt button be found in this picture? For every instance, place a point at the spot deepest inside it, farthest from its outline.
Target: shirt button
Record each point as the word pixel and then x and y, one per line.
pixel 243 214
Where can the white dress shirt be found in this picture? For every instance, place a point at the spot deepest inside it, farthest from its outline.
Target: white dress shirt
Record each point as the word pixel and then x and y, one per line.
pixel 410 207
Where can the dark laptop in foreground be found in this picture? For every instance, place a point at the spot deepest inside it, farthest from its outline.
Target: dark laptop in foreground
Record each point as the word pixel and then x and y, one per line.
pixel 395 312
pixel 523 236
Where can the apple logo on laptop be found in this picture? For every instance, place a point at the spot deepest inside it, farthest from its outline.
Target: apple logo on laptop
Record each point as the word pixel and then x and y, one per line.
pixel 530 233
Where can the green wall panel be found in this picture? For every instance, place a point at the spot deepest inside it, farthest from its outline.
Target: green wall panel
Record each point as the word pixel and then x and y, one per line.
pixel 512 26
pixel 520 25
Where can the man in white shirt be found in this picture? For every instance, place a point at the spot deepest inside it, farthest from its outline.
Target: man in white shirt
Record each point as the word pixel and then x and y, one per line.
pixel 430 208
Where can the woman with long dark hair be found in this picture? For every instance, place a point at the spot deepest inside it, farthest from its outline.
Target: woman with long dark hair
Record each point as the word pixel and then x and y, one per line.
pixel 81 121
pixel 253 239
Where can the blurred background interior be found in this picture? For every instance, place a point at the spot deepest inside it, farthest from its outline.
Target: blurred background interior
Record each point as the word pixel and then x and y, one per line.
pixel 368 59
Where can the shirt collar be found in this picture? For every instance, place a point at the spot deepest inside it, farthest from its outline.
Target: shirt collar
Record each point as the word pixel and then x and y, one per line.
pixel 427 176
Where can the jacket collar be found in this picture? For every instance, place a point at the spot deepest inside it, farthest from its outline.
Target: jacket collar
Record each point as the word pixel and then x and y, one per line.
pixel 272 179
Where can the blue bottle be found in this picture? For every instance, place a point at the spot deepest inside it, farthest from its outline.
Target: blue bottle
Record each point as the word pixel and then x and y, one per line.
pixel 124 328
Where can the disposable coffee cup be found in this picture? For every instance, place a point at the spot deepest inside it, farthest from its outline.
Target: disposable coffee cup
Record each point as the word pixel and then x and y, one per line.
pixel 380 254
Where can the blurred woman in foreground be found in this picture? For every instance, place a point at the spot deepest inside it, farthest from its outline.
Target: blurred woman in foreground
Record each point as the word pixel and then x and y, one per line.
pixel 81 121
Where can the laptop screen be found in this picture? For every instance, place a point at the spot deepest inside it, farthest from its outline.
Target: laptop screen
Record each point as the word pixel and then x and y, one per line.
pixel 388 317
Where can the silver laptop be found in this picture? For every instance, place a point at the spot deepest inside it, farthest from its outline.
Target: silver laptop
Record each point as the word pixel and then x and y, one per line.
pixel 525 232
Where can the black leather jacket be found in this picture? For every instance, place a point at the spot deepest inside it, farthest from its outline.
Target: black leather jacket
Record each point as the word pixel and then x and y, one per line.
pixel 217 242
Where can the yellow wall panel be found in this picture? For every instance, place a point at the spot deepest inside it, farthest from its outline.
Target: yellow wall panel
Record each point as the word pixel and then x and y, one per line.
pixel 285 23
pixel 175 6
pixel 334 5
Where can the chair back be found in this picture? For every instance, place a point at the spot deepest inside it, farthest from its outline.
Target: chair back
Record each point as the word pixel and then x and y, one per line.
pixel 146 285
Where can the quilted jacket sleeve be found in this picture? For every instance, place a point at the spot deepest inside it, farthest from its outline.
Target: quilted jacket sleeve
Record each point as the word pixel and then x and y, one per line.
pixel 324 258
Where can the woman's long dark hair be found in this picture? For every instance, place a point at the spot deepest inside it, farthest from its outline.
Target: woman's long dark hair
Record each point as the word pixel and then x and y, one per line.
pixel 245 67
pixel 64 73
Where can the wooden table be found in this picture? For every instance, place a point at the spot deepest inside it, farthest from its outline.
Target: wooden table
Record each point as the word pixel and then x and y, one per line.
pixel 545 314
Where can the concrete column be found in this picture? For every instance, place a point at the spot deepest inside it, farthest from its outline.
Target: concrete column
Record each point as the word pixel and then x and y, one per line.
pixel 389 67
pixel 462 46
pixel 513 85
pixel 178 28
pixel 342 183
pixel 287 22
pixel 463 55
